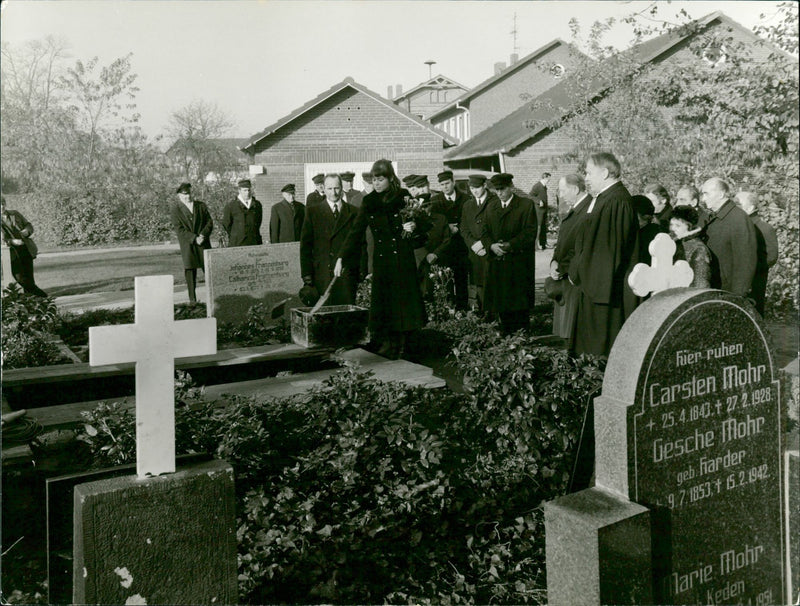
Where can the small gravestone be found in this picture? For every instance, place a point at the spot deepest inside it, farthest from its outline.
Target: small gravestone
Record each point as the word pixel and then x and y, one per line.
pixel 239 277
pixel 689 426
pixel 151 538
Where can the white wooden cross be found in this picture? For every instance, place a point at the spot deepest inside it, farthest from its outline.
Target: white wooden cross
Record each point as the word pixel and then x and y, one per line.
pixel 153 342
pixel 662 274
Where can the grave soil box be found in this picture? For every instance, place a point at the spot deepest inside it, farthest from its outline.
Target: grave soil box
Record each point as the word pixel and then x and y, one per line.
pixel 330 326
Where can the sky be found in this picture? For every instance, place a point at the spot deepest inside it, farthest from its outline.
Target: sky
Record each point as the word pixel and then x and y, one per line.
pixel 258 60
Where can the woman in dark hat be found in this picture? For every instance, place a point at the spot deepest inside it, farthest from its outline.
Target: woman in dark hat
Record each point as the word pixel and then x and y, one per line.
pixel 396 308
pixel 193 226
pixel 684 226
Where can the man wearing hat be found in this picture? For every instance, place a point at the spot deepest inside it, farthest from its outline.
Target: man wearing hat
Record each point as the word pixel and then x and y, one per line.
pixel 242 217
pixel 452 252
pixel 351 196
pixel 509 238
pixel 471 227
pixel 318 195
pixel 286 217
pixel 193 225
pixel 17 232
pixel 409 181
pixel 366 181
pixel 539 196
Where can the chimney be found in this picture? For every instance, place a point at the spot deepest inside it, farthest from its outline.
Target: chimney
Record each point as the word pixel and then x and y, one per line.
pixel 389 90
pixel 499 67
pixel 514 59
pixel 399 91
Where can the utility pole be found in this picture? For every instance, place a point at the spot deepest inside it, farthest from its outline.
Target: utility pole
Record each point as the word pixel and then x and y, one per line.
pixel 514 35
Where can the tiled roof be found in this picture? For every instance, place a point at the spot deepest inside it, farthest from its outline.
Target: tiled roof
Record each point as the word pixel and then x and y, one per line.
pixel 346 83
pixel 542 112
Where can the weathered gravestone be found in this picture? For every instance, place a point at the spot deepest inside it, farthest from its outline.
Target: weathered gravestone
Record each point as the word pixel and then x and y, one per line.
pixel 237 278
pixel 154 539
pixel 689 425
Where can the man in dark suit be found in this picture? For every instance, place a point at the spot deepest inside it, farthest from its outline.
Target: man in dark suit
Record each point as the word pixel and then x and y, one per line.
pixel 471 227
pixel 571 191
pixel 324 232
pixel 731 239
pixel 286 217
pixel 539 196
pixel 767 246
pixel 352 196
pixel 318 195
pixel 242 217
pixel 452 252
pixel 606 249
pixel 509 238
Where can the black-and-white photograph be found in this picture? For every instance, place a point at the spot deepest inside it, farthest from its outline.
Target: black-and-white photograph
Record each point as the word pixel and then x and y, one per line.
pixel 411 302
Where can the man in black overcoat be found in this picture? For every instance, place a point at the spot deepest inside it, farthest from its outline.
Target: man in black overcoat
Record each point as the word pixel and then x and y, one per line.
pixel 286 217
pixel 766 247
pixel 606 249
pixel 193 226
pixel 242 217
pixel 539 196
pixel 731 239
pixel 571 191
pixel 473 214
pixel 509 238
pixel 324 232
pixel 452 252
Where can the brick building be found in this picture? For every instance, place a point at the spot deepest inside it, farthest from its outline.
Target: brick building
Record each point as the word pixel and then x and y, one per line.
pixel 507 89
pixel 526 143
pixel 347 127
pixel 429 96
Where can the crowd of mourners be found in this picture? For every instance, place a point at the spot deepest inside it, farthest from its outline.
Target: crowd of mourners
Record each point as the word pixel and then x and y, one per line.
pixel 396 232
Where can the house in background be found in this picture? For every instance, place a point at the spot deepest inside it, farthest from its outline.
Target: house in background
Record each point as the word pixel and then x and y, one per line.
pixel 524 142
pixel 507 89
pixel 219 159
pixel 347 127
pixel 427 97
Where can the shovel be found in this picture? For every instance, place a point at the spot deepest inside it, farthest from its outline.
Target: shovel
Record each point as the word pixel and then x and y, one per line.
pixel 324 297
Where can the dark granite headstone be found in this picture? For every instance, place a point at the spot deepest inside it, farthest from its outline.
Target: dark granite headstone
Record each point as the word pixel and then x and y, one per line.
pixel 237 278
pixel 689 425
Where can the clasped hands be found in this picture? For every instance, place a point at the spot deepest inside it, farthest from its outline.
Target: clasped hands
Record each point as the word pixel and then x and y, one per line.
pixel 500 248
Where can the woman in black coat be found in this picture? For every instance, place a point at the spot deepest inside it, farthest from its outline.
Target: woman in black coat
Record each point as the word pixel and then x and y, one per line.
pixel 396 307
pixel 193 225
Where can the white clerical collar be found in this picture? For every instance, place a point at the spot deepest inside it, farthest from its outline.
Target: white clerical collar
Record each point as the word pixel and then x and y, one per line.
pixel 247 203
pixel 597 195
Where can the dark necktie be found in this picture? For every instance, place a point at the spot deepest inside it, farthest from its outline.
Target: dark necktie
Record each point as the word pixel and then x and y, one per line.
pixel 335 212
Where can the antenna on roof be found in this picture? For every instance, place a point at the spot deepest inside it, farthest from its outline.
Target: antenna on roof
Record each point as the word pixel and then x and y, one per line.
pixel 514 34
pixel 430 65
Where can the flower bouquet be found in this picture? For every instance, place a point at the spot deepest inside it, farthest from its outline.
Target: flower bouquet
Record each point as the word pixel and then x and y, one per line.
pixel 415 209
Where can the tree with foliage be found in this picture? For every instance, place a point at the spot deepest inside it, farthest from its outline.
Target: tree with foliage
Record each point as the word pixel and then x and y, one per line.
pixel 196 129
pixel 717 107
pixel 35 122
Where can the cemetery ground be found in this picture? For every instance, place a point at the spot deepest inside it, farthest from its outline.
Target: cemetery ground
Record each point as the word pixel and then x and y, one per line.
pixel 362 492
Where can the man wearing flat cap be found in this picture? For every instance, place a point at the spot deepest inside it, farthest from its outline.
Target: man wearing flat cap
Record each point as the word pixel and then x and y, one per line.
pixel 409 181
pixel 193 225
pixel 351 196
pixel 472 216
pixel 318 195
pixel 242 217
pixel 509 238
pixel 451 252
pixel 286 217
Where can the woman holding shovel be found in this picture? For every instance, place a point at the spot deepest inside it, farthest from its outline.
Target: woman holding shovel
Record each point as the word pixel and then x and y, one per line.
pixel 396 307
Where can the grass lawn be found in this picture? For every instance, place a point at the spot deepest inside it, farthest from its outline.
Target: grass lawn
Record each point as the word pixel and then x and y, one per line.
pixel 104 271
